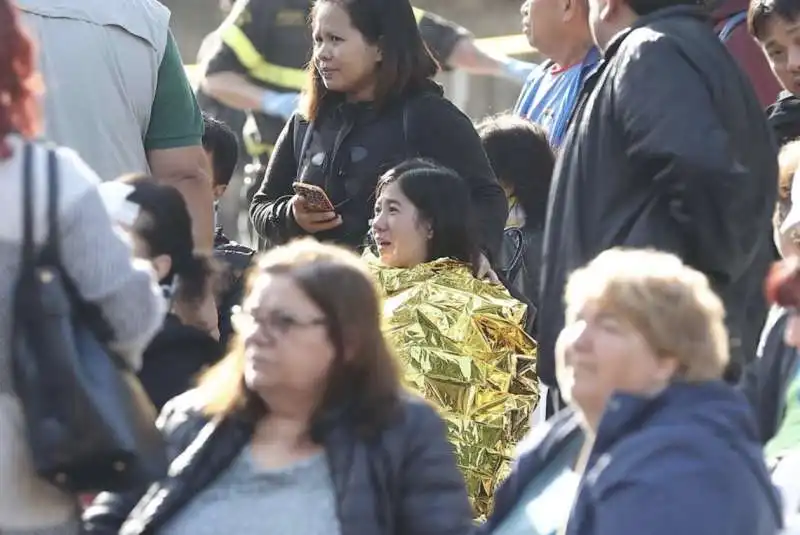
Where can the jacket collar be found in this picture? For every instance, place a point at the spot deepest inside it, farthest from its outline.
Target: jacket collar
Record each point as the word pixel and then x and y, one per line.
pixel 215 446
pixel 535 453
pixel 626 413
pixel 650 18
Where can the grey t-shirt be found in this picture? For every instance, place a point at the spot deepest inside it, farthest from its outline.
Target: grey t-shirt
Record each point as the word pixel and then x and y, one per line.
pixel 248 500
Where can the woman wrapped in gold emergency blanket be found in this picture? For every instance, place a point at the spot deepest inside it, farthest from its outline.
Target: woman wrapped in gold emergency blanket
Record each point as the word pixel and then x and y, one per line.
pixel 460 339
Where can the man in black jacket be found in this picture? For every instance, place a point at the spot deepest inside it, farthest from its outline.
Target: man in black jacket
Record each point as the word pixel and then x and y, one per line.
pixel 669 149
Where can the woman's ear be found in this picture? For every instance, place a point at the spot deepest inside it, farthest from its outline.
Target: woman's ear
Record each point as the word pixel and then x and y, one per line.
pixel 667 369
pixel 163 265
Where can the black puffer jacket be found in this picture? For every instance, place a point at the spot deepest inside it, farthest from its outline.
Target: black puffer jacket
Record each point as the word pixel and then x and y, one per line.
pixel 405 482
pixel 669 148
pixel 351 144
pixel 174 359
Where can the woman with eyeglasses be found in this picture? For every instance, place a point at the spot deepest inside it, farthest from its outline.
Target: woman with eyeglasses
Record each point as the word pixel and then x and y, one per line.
pixel 303 428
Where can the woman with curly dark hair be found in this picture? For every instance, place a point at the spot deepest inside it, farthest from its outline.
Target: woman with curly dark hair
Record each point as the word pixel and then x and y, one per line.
pixel 92 253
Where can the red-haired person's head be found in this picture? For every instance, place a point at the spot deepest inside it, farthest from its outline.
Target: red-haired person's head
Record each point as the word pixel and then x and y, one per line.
pixel 783 289
pixel 19 111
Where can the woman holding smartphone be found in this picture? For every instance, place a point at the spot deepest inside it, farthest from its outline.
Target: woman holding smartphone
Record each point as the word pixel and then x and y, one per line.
pixel 371 103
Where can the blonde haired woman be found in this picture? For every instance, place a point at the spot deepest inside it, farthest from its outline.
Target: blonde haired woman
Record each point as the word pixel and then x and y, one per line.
pixel 667 446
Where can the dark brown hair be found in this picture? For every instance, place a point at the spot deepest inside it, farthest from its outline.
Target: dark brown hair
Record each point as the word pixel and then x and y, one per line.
pixel 363 377
pixel 761 12
pixel 19 83
pixel 521 158
pixel 406 62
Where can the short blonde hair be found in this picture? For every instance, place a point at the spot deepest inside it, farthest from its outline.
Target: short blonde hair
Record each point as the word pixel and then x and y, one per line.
pixel 788 164
pixel 670 304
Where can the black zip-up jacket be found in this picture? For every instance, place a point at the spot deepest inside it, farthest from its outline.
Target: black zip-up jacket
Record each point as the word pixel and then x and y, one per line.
pixel 350 145
pixel 174 359
pixel 402 482
pixel 669 149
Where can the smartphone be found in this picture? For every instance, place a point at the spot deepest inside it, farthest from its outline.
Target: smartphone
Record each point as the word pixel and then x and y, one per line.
pixel 316 198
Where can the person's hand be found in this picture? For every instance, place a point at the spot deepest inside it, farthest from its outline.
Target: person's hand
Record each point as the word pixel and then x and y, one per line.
pixel 484 270
pixel 517 70
pixel 313 222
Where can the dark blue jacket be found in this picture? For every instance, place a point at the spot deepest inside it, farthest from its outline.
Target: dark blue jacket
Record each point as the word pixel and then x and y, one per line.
pixel 686 462
pixel 535 453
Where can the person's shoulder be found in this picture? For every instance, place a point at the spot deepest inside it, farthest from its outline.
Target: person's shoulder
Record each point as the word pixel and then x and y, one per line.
pixel 416 416
pixel 182 411
pixel 429 111
pixel 429 99
pixel 541 439
pixel 75 177
pixel 665 451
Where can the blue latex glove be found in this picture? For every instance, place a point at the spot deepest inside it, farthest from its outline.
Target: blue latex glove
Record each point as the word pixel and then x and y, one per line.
pixel 517 70
pixel 281 105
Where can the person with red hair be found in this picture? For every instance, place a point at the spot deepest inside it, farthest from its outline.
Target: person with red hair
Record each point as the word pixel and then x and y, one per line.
pixel 93 254
pixel 773 386
pixel 18 80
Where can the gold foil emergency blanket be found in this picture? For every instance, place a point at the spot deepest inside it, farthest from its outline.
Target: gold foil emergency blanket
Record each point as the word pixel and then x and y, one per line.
pixel 462 346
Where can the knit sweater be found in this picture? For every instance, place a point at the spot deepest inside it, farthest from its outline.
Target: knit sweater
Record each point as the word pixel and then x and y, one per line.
pixel 99 261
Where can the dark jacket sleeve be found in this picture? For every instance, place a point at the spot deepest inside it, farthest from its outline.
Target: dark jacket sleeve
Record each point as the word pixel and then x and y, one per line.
pixel 270 210
pixel 440 131
pixel 764 381
pixel 675 137
pixel 109 510
pixel 433 496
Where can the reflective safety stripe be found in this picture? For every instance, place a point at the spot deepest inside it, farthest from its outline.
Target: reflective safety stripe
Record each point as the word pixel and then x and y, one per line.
pixel 256 149
pixel 418 14
pixel 257 66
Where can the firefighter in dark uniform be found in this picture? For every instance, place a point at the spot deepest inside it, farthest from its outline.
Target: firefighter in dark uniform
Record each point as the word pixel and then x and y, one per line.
pixel 258 57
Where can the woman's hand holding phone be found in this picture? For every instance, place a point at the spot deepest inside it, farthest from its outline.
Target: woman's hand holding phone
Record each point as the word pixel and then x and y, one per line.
pixel 313 221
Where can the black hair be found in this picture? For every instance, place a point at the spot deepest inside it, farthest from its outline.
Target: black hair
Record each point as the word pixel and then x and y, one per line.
pixel 406 62
pixel 442 199
pixel 761 12
pixel 645 7
pixel 164 224
pixel 522 160
pixel 220 141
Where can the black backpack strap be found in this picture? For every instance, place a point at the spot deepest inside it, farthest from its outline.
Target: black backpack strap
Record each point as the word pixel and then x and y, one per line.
pixel 302 139
pixel 28 244
pixel 52 249
pixel 733 22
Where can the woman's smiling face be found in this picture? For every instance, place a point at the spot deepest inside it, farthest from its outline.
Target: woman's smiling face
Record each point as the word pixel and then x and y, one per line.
pixel 400 234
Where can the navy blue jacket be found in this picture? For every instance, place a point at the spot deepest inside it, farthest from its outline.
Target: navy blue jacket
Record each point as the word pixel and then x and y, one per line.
pixel 686 462
pixel 536 452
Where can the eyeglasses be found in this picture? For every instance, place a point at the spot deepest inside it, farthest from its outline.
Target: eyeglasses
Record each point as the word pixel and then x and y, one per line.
pixel 273 321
